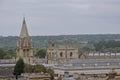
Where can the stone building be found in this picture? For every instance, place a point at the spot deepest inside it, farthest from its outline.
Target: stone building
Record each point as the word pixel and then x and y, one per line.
pixel 101 55
pixel 24 45
pixel 57 53
pixel 36 76
pixel 89 69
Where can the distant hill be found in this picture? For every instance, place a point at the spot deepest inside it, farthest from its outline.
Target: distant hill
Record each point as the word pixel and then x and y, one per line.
pixel 41 41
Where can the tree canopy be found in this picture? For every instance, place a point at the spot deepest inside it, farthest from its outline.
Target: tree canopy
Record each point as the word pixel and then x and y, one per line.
pixel 34 68
pixel 2 53
pixel 51 72
pixel 38 69
pixel 41 53
pixel 7 53
pixel 111 46
pixel 19 67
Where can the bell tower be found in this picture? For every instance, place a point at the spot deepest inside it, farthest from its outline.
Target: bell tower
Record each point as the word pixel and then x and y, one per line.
pixel 24 45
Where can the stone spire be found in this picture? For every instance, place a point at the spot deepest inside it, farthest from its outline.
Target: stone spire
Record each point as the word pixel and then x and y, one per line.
pixel 24 45
pixel 24 31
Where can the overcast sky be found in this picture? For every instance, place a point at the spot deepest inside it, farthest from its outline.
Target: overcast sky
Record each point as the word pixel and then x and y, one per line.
pixel 60 17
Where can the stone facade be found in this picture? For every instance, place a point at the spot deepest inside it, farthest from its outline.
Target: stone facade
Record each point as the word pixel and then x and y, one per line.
pixel 36 76
pixel 60 53
pixel 88 69
pixel 100 55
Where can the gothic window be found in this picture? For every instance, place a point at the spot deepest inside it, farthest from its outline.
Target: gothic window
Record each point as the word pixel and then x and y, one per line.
pixel 61 54
pixel 27 50
pixel 71 54
pixel 23 52
pixel 52 54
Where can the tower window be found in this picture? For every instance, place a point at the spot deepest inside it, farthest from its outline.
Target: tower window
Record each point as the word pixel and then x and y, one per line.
pixel 71 54
pixel 23 50
pixel 61 54
pixel 27 49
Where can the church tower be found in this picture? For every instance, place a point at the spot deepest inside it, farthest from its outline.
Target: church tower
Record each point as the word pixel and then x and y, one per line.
pixel 24 45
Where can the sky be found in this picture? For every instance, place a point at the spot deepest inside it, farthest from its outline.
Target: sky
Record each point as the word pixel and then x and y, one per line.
pixel 60 17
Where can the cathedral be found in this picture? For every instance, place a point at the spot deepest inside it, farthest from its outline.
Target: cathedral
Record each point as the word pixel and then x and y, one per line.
pixel 24 45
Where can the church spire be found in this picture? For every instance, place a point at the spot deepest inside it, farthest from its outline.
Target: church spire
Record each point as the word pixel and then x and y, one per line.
pixel 24 31
pixel 24 45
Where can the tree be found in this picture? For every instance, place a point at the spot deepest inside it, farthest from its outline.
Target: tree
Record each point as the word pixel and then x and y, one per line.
pixel 19 68
pixel 7 56
pixel 110 46
pixel 41 53
pixel 34 68
pixel 2 53
pixel 28 68
pixel 51 72
pixel 39 68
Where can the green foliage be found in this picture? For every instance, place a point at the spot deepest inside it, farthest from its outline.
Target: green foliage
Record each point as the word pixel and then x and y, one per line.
pixel 8 44
pixel 7 53
pixel 41 41
pixel 2 53
pixel 108 46
pixel 28 68
pixel 41 53
pixel 7 56
pixel 19 67
pixel 34 69
pixel 86 48
pixel 38 69
pixel 51 72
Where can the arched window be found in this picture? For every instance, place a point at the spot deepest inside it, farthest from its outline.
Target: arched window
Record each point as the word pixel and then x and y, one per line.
pixel 28 52
pixel 71 54
pixel 24 52
pixel 61 54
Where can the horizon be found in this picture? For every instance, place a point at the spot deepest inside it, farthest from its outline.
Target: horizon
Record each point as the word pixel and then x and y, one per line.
pixel 61 17
pixel 57 35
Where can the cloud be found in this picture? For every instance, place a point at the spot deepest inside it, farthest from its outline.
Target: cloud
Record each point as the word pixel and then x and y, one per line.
pixel 79 6
pixel 47 17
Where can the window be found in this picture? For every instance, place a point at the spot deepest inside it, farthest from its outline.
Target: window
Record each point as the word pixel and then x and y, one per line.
pixel 27 50
pixel 71 54
pixel 23 50
pixel 61 54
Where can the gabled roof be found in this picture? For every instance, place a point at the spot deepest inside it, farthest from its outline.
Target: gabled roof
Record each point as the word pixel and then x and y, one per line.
pixel 24 31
